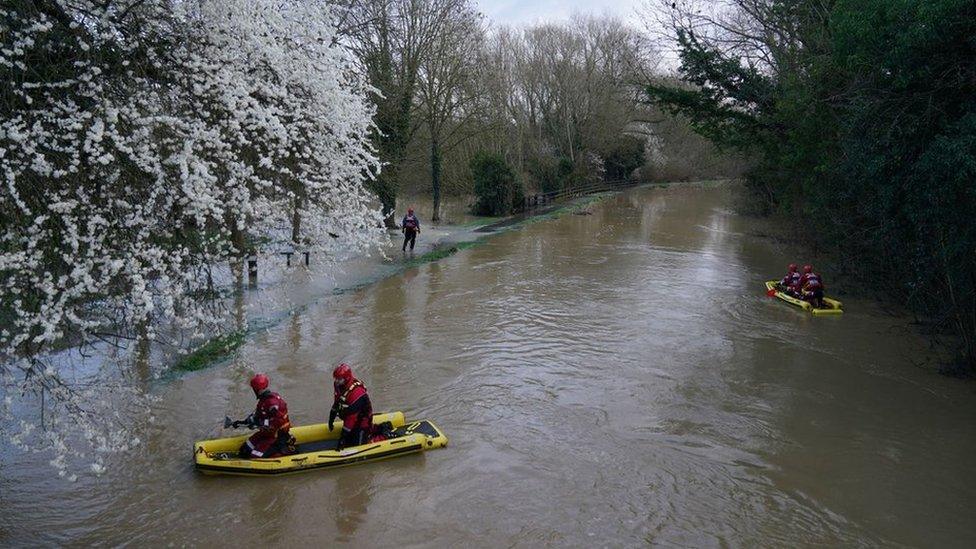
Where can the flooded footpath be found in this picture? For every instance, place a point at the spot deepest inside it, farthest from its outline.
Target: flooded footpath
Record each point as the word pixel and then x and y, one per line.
pixel 613 379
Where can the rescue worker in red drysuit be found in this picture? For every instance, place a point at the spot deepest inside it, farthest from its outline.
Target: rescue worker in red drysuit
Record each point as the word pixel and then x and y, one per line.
pixel 791 281
pixel 812 287
pixel 411 228
pixel 353 407
pixel 270 418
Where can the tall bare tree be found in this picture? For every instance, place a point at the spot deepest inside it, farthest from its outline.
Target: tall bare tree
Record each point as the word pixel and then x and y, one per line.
pixel 448 88
pixel 564 93
pixel 392 39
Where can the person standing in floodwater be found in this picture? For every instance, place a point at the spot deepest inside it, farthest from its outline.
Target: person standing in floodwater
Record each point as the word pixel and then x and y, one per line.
pixel 411 228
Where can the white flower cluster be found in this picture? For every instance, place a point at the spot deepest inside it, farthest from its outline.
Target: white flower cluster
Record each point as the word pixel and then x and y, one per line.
pixel 144 143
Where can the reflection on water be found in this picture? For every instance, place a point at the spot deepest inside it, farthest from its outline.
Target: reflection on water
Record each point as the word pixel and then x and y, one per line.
pixel 265 510
pixel 608 379
pixel 353 494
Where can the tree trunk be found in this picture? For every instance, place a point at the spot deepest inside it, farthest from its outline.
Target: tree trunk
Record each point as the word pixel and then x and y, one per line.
pixel 237 262
pixel 435 176
pixel 389 209
pixel 386 191
pixel 296 222
pixel 143 356
pixel 384 185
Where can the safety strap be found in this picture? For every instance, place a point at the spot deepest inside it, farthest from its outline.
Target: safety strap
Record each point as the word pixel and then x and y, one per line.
pixel 343 404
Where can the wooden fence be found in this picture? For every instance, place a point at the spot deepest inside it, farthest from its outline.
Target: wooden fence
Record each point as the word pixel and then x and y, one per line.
pixel 540 200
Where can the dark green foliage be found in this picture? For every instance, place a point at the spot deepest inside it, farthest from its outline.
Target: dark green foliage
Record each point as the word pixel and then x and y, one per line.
pixel 518 196
pixel 729 99
pixel 865 130
pixel 497 189
pixel 626 155
pixel 549 173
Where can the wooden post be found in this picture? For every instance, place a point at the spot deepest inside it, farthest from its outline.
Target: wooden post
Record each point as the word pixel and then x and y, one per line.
pixel 306 259
pixel 288 258
pixel 252 271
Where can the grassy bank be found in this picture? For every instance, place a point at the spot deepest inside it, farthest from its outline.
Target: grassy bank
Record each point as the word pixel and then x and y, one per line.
pixel 212 351
pixel 439 253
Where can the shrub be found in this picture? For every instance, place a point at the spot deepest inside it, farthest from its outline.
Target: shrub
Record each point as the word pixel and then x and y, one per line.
pixel 498 190
pixel 550 173
pixel 623 158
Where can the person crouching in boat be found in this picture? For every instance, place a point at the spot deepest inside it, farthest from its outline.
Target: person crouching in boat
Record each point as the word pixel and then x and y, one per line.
pixel 353 407
pixel 791 281
pixel 812 287
pixel 270 418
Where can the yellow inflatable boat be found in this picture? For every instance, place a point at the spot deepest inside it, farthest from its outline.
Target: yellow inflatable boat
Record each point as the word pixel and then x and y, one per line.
pixel 316 446
pixel 833 307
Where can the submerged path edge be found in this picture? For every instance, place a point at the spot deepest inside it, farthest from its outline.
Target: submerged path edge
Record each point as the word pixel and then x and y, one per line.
pixel 221 347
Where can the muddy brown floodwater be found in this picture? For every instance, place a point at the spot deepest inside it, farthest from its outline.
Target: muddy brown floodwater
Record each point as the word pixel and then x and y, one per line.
pixel 613 379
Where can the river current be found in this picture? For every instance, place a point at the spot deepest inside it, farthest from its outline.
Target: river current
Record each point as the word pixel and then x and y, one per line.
pixel 612 379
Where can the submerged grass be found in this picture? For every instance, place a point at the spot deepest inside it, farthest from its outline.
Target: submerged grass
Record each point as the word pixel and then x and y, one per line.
pixel 577 206
pixel 481 221
pixel 212 351
pixel 440 253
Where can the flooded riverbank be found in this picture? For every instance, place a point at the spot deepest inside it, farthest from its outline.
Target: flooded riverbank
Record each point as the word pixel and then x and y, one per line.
pixel 608 379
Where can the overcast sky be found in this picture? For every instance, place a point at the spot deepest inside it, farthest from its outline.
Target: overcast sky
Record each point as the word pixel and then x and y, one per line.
pixel 514 12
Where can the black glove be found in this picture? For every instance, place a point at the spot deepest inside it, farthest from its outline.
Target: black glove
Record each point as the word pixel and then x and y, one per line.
pixel 332 416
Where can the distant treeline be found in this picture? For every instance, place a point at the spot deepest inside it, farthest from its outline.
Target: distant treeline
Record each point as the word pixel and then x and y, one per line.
pixel 861 115
pixel 559 102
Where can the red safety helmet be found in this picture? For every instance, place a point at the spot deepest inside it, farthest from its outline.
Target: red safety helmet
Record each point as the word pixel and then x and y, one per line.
pixel 259 383
pixel 792 267
pixel 342 375
pixel 807 269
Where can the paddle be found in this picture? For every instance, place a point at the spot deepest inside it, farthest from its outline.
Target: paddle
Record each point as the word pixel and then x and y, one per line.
pixel 228 423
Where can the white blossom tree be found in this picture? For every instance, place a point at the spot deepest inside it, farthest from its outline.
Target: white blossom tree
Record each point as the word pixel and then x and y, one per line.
pixel 144 144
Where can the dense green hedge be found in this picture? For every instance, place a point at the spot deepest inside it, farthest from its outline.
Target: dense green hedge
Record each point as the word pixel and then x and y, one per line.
pixel 498 190
pixel 864 127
